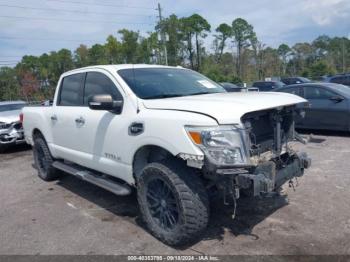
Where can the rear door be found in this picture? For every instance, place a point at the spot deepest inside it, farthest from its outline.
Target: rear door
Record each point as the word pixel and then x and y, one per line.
pixel 66 112
pixel 324 112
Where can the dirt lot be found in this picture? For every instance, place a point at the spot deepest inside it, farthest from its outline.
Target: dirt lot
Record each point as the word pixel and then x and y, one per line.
pixel 73 217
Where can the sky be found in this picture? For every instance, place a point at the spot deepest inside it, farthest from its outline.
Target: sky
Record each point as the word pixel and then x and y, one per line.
pixel 32 27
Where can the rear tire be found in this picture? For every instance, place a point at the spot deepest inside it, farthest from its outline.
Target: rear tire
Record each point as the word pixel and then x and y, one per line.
pixel 43 160
pixel 173 202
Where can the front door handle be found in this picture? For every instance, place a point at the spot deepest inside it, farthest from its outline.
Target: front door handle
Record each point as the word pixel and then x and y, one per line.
pixel 80 121
pixel 53 118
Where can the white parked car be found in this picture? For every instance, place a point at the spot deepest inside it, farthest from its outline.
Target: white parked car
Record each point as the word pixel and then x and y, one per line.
pixel 11 131
pixel 172 134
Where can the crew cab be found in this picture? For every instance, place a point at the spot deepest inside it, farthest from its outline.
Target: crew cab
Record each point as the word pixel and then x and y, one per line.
pixel 176 137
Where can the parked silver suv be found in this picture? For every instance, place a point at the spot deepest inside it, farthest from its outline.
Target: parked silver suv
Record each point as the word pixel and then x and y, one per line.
pixel 11 130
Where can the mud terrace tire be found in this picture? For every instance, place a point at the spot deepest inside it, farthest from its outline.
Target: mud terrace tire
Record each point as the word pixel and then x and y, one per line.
pixel 191 199
pixel 43 160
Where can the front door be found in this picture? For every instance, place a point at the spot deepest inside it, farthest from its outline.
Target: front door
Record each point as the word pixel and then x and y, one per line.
pixel 324 111
pixel 103 132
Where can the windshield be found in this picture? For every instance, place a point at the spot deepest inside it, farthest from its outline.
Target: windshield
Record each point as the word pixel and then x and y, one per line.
pixel 11 107
pixel 151 83
pixel 280 84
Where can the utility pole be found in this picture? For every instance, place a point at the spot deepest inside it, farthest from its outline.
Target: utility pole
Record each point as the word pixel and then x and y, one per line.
pixel 343 53
pixel 162 34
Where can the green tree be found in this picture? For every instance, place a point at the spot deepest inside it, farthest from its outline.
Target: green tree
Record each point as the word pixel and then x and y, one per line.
pixel 129 45
pixel 194 26
pixel 113 48
pixel 200 27
pixel 243 36
pixel 81 56
pixel 97 55
pixel 187 35
pixel 9 86
pixel 224 32
pixel 303 56
pixel 319 68
pixel 171 26
pixel 284 51
pixel 321 45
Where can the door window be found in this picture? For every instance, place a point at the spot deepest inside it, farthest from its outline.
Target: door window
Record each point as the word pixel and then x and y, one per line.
pixel 99 84
pixel 71 90
pixel 293 90
pixel 317 93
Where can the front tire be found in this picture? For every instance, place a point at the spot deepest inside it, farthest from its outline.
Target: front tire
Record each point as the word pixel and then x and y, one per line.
pixel 173 202
pixel 43 160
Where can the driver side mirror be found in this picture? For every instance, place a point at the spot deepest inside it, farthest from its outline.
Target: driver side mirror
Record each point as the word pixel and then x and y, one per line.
pixel 336 98
pixel 105 102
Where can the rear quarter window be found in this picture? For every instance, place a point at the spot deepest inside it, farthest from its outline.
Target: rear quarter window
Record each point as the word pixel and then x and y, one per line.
pixel 317 93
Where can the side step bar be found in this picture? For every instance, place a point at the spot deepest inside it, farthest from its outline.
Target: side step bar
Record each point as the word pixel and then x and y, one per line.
pixel 101 181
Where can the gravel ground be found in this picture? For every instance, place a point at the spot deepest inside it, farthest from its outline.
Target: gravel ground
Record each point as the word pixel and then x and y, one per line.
pixel 70 216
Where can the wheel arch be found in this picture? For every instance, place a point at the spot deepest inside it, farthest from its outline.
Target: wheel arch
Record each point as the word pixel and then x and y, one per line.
pixel 147 154
pixel 37 133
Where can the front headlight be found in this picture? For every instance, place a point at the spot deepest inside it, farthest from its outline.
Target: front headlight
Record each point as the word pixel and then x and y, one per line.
pixel 222 144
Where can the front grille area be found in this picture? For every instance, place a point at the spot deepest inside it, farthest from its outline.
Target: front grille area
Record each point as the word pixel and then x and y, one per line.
pixel 17 126
pixel 269 129
pixel 4 125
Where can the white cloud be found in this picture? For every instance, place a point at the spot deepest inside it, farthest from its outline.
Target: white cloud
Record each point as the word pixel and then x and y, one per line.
pixel 326 12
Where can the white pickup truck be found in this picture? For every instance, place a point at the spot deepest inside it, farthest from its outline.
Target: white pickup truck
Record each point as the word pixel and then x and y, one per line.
pixel 175 136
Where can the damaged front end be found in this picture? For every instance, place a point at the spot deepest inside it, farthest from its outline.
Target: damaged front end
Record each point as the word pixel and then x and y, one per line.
pixel 256 157
pixel 270 134
pixel 11 134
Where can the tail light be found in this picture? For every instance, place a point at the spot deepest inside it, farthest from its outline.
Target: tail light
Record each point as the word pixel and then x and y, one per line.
pixel 21 116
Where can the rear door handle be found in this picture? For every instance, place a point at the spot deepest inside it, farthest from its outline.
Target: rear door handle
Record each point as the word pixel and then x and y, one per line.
pixel 80 121
pixel 54 118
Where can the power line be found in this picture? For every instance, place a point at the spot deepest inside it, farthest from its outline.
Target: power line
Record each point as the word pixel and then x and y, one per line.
pixel 74 20
pixel 10 56
pixel 69 11
pixel 99 4
pixel 48 39
pixel 8 61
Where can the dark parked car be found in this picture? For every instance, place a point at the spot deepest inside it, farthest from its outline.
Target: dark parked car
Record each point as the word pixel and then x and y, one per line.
pixel 343 79
pixel 295 80
pixel 229 87
pixel 265 86
pixel 329 105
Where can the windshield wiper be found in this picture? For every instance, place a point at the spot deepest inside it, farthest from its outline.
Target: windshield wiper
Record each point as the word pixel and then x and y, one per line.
pixel 163 96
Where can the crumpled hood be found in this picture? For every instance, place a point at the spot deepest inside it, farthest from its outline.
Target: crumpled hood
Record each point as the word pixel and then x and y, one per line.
pixel 10 116
pixel 226 108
